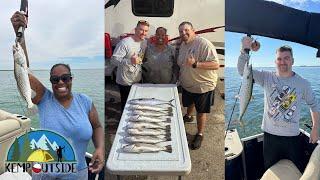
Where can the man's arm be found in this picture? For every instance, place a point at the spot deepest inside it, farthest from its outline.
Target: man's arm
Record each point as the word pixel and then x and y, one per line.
pixel 97 160
pixel 18 20
pixel 120 52
pixel 208 57
pixel 209 65
pixel 258 76
pixel 314 136
pixel 311 101
pixel 243 58
pixel 118 56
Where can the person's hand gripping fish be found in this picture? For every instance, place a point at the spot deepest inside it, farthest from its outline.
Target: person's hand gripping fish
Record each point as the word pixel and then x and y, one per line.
pixel 248 43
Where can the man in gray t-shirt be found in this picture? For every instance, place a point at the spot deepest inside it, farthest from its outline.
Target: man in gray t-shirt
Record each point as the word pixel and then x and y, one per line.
pixel 284 92
pixel 128 56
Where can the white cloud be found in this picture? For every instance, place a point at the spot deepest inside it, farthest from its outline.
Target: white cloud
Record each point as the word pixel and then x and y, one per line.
pixel 298 4
pixel 56 28
pixel 278 1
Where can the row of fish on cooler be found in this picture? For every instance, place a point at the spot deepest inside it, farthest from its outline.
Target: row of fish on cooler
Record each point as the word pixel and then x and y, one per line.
pixel 148 125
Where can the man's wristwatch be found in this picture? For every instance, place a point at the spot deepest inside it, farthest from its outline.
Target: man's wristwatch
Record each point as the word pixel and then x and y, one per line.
pixel 194 65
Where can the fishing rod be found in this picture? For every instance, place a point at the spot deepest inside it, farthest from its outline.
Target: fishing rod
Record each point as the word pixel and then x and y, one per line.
pixel 230 119
pixel 24 8
pixel 19 102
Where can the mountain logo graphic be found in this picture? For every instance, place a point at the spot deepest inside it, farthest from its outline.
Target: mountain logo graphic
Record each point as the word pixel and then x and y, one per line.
pixel 40 150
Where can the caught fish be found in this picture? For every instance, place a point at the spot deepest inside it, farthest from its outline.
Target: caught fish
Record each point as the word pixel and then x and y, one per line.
pixel 146 148
pixel 246 89
pixel 21 74
pixel 147 139
pixel 144 125
pixel 150 102
pixel 148 132
pixel 150 113
pixel 155 119
pixel 150 108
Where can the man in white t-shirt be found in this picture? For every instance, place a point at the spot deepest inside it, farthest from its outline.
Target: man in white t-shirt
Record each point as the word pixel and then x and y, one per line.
pixel 128 56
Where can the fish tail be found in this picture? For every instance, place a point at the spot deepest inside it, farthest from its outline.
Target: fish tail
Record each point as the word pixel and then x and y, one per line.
pixel 31 110
pixel 168 120
pixel 241 122
pixel 168 128
pixel 169 114
pixel 170 109
pixel 168 137
pixel 168 149
pixel 170 103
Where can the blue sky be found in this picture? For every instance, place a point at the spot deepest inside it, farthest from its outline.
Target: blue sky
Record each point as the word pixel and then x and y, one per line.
pixel 266 55
pixel 58 31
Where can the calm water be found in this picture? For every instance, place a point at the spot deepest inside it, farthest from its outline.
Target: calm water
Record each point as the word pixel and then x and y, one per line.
pixel 253 115
pixel 89 82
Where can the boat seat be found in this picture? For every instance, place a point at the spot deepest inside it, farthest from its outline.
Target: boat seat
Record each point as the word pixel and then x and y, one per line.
pixel 312 170
pixel 7 127
pixel 282 170
pixel 14 176
pixel 11 126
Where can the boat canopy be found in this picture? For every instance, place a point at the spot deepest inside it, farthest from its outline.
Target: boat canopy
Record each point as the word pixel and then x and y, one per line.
pixel 270 19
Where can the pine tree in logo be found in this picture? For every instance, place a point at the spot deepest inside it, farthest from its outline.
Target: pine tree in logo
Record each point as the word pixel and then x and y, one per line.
pixel 16 151
pixel 26 148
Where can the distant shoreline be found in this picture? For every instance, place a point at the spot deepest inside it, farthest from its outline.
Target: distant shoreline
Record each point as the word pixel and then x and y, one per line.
pixel 271 66
pixel 49 69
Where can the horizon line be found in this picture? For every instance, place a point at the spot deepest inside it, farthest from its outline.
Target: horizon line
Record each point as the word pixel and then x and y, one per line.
pixel 49 69
pixel 274 66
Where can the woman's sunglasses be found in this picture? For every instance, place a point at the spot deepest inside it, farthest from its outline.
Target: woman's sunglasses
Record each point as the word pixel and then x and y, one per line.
pixel 65 78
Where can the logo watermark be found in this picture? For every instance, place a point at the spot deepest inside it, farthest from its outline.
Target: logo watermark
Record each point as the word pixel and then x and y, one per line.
pixel 41 151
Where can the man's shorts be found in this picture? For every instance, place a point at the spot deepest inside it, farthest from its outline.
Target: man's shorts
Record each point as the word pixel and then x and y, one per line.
pixel 203 101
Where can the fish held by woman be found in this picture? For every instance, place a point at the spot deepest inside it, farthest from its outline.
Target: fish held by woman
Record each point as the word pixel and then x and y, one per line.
pixel 21 74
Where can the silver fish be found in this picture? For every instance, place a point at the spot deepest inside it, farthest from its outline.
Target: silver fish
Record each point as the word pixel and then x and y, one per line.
pixel 150 113
pixel 145 125
pixel 148 132
pixel 146 148
pixel 246 89
pixel 21 74
pixel 150 102
pixel 150 108
pixel 139 118
pixel 147 139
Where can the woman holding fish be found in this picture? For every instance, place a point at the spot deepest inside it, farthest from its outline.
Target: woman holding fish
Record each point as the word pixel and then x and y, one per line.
pixel 61 110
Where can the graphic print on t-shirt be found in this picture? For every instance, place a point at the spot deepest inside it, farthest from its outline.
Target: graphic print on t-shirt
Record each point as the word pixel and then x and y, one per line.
pixel 282 105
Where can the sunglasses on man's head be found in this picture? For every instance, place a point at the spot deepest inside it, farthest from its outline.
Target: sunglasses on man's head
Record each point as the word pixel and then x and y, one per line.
pixel 65 78
pixel 143 22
